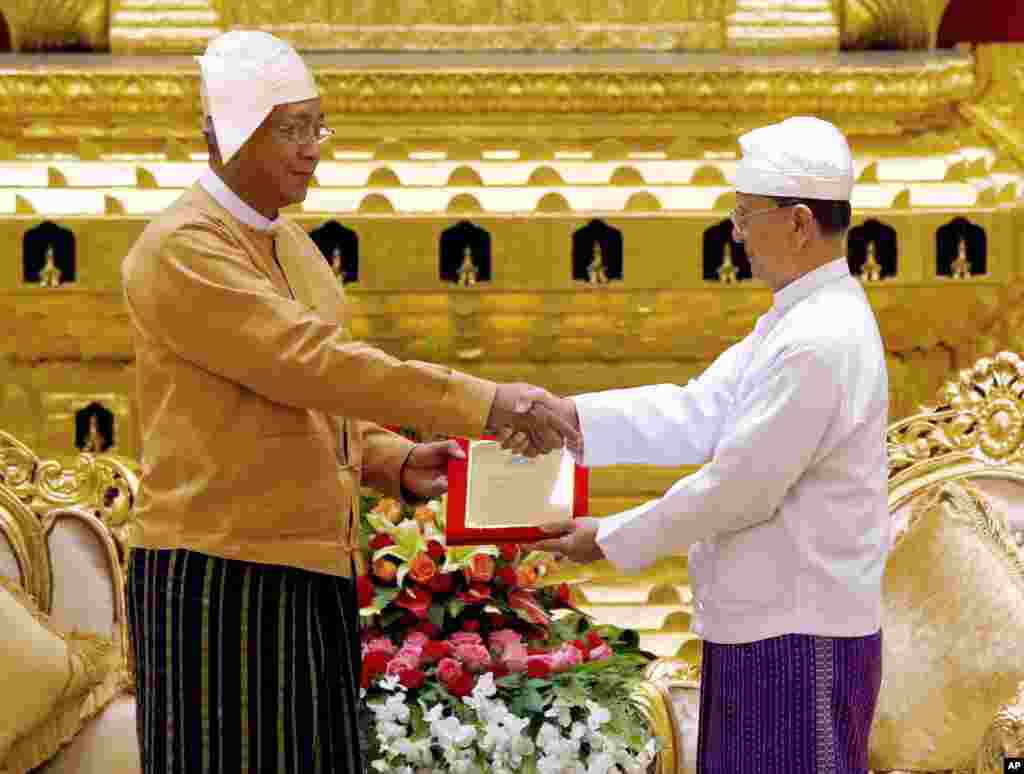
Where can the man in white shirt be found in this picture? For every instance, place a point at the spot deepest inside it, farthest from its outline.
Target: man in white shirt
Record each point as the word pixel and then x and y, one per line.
pixel 786 526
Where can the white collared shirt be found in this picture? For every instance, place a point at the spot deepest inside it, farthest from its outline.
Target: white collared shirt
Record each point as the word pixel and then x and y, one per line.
pixel 787 524
pixel 231 202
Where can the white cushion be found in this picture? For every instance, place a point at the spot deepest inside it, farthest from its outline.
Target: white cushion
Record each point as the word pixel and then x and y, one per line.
pixel 108 744
pixel 83 590
pixel 686 708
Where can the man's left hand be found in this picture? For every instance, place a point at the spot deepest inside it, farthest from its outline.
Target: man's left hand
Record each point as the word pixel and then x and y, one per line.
pixel 579 544
pixel 425 473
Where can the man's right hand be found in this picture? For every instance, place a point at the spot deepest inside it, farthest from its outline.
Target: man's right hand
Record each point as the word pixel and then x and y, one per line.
pixel 531 415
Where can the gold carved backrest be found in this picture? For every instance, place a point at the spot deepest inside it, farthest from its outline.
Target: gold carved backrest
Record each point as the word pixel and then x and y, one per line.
pixel 66 525
pixel 974 431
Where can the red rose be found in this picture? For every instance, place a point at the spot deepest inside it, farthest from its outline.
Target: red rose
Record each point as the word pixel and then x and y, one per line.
pixel 525 601
pixel 499 671
pixel 594 639
pixel 507 575
pixel 564 594
pixel 476 594
pixel 538 666
pixel 509 552
pixel 427 628
pixel 480 569
pixel 365 589
pixel 497 621
pixel 411 678
pixel 462 685
pixel 441 583
pixel 582 648
pixel 471 625
pixel 380 540
pixel 435 549
pixel 435 651
pixel 374 665
pixel 409 619
pixel 422 568
pixel 416 600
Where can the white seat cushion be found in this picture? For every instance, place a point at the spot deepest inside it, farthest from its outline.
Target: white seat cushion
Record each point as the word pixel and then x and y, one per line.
pixel 83 589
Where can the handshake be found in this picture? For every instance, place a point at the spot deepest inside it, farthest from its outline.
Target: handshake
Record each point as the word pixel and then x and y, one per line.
pixel 530 421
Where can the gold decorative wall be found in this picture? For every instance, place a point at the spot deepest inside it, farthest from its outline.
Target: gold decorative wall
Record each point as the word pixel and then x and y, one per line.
pixel 539 174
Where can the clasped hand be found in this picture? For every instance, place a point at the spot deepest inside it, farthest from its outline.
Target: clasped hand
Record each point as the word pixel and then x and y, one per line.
pixel 530 420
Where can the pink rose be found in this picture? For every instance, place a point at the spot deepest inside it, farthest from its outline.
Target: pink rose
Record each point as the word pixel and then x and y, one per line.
pixel 399 664
pixel 475 657
pixel 381 645
pixel 516 658
pixel 448 669
pixel 566 657
pixel 411 653
pixel 465 638
pixel 416 638
pixel 500 640
pixel 602 651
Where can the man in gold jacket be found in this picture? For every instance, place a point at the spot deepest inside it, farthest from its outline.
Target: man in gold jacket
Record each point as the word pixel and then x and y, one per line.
pixel 256 408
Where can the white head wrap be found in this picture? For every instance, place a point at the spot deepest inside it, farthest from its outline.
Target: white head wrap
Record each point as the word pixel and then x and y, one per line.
pixel 244 74
pixel 801 157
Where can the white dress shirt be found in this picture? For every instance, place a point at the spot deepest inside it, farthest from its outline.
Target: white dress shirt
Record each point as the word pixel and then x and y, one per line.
pixel 787 525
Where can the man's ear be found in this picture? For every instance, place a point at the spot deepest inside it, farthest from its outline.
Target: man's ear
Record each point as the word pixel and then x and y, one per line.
pixel 211 140
pixel 805 224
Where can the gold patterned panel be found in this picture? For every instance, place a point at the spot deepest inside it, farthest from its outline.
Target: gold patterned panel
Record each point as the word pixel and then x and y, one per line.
pixel 893 24
pixel 429 25
pixel 42 25
pixel 999 113
pixel 43 103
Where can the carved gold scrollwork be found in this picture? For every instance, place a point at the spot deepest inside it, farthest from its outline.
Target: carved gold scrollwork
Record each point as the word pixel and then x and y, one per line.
pixel 18 466
pixel 979 417
pixel 103 485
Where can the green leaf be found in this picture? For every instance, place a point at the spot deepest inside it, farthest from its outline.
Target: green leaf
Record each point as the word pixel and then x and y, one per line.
pixel 389 617
pixel 383 597
pixel 435 614
pixel 380 523
pixel 458 557
pixel 455 607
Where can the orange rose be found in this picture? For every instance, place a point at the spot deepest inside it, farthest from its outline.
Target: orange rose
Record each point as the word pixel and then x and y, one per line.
pixel 480 570
pixel 526 576
pixel 385 569
pixel 422 568
pixel 425 516
pixel 390 509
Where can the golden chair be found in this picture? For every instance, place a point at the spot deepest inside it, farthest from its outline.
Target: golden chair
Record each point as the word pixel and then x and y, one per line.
pixel 62 531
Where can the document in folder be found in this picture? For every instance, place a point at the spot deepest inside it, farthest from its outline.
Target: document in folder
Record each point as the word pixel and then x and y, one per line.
pixel 495 496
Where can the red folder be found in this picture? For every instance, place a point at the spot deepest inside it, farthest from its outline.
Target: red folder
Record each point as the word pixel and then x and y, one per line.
pixel 458 534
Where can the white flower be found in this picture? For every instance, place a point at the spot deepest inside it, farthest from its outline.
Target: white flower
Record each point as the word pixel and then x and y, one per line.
pixel 598 715
pixel 391 683
pixel 381 765
pixel 600 763
pixel 561 709
pixel 434 714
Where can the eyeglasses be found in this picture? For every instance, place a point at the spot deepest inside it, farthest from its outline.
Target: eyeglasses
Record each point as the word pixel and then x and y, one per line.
pixel 739 221
pixel 303 134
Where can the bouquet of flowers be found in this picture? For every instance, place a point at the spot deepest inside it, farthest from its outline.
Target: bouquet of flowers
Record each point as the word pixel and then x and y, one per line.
pixel 470 663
